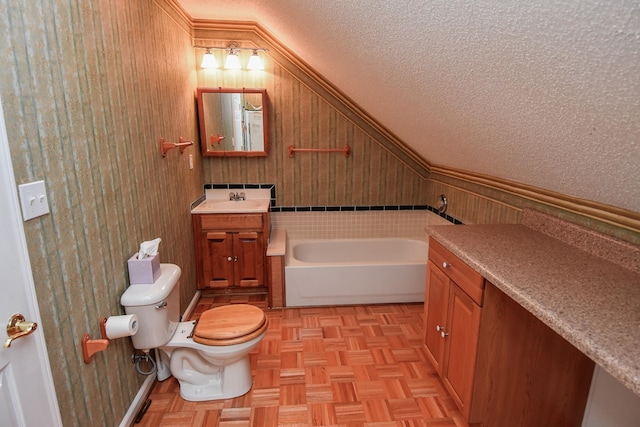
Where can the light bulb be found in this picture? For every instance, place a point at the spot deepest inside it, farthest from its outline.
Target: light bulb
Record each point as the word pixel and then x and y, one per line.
pixel 255 63
pixel 232 62
pixel 208 60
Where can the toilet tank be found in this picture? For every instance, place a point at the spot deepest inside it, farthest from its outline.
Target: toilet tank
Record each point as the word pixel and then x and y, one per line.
pixel 157 306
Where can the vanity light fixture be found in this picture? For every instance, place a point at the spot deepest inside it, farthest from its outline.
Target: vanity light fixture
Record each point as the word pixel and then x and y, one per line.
pixel 208 60
pixel 255 63
pixel 232 61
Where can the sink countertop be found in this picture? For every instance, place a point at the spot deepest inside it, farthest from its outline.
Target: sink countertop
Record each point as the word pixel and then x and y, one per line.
pixel 227 206
pixel 217 201
pixel 592 302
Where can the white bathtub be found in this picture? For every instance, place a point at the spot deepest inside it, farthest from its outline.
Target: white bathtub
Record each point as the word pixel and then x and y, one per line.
pixel 355 271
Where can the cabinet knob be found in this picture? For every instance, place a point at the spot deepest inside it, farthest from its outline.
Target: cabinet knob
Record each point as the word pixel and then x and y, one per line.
pixel 445 265
pixel 440 329
pixel 229 259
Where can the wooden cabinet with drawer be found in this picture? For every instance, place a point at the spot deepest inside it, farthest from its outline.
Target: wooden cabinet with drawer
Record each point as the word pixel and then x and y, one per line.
pixel 230 250
pixel 502 366
pixel 453 310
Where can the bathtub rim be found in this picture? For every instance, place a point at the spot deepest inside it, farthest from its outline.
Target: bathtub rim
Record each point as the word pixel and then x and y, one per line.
pixel 292 262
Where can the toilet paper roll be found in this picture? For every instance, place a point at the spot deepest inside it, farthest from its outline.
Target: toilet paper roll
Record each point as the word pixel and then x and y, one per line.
pixel 121 326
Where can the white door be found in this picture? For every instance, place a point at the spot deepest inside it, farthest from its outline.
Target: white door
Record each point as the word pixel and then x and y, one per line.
pixel 27 396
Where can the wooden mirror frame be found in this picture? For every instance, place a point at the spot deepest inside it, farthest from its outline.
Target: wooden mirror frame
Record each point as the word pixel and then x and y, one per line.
pixel 213 137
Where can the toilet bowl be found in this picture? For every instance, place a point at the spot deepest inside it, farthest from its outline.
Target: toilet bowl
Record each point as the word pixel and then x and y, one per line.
pixel 210 357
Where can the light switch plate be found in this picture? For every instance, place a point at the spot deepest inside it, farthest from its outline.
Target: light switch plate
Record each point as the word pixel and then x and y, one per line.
pixel 33 199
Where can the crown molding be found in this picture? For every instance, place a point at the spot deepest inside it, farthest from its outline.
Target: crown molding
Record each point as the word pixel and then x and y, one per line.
pixel 598 211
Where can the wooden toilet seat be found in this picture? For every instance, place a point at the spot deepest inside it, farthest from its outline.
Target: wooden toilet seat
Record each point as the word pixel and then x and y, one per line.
pixel 230 324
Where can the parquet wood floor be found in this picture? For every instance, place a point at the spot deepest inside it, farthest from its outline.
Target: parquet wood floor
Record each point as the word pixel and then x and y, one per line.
pixel 329 366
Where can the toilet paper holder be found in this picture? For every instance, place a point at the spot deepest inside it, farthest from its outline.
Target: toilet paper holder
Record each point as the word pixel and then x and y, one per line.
pixel 110 328
pixel 91 347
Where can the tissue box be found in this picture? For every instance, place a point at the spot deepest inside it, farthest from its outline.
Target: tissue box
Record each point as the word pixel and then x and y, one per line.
pixel 144 271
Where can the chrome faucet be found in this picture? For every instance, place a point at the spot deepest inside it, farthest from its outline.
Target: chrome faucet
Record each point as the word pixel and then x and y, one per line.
pixel 237 197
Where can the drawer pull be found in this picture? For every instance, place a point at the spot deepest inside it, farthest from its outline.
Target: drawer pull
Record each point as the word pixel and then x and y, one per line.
pixel 446 265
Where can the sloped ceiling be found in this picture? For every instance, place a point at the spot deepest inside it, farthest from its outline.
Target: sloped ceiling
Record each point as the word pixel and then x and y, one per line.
pixel 544 93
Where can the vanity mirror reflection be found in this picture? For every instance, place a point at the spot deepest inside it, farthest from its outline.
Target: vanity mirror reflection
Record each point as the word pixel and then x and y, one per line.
pixel 233 122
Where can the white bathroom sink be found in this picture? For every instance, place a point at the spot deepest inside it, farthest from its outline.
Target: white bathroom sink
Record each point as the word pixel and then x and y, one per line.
pixel 232 206
pixel 236 204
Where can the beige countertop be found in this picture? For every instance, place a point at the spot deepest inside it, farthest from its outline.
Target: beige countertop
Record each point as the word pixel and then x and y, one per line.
pixel 277 242
pixel 591 302
pixel 219 201
pixel 210 206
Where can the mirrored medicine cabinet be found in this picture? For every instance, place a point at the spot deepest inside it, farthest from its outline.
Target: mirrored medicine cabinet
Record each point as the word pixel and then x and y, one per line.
pixel 233 122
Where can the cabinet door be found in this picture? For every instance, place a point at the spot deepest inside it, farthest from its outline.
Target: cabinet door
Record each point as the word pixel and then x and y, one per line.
pixel 436 298
pixel 218 259
pixel 250 256
pixel 463 323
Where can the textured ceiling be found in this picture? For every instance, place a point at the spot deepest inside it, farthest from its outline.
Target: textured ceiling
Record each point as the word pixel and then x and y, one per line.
pixel 545 93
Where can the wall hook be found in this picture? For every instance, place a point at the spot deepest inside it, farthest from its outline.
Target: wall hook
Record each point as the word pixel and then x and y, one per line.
pixel 215 139
pixel 166 146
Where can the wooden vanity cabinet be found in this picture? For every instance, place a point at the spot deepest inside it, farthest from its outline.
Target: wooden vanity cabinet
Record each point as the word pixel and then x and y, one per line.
pixel 230 250
pixel 502 366
pixel 453 310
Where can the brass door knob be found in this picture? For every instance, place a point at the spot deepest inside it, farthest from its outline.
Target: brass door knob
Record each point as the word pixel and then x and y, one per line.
pixel 18 328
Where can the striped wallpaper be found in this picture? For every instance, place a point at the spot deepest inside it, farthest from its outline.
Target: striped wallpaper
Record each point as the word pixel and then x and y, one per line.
pixel 88 88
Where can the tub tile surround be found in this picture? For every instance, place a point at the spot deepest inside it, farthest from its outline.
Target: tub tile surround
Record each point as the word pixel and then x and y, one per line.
pixel 569 277
pixel 356 224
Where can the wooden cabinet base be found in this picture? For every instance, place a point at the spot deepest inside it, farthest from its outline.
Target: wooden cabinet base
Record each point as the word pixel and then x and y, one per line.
pixel 275 271
pixel 230 250
pixel 526 374
pixel 257 290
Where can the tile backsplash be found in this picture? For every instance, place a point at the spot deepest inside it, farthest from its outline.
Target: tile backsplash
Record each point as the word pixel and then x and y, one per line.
pixel 356 224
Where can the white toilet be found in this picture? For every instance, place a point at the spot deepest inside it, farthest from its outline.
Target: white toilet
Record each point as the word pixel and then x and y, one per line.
pixel 209 358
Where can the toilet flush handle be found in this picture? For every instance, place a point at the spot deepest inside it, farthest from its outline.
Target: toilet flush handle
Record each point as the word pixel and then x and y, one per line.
pixel 161 305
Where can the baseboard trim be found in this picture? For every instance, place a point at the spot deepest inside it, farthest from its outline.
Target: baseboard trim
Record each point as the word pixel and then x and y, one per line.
pixel 191 306
pixel 141 397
